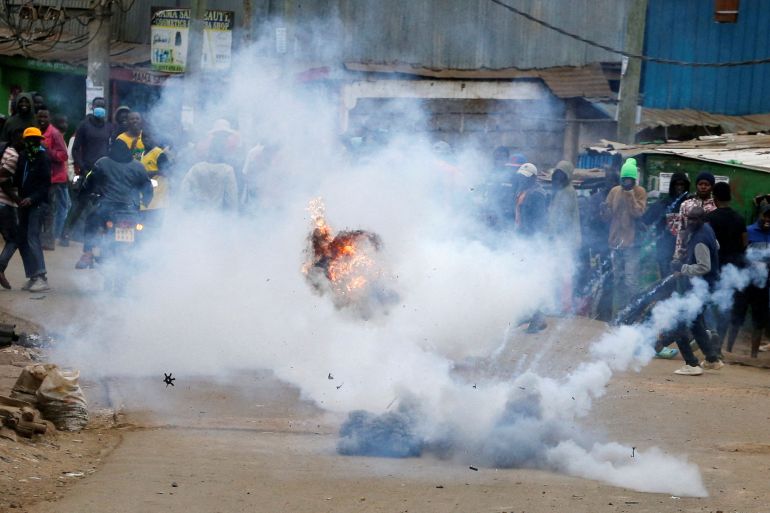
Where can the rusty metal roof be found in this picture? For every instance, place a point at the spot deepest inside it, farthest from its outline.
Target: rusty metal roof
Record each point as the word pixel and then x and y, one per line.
pixel 565 82
pixel 685 117
pixel 652 118
pixel 748 151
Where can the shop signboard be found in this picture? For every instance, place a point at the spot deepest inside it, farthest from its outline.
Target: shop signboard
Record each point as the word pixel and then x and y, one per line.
pixel 169 37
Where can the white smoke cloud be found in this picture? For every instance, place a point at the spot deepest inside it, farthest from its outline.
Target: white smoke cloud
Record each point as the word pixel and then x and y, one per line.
pixel 222 293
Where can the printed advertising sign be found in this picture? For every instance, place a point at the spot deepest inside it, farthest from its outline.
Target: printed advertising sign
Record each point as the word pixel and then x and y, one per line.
pixel 169 36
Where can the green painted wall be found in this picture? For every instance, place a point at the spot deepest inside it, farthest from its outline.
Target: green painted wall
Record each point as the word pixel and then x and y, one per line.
pixel 744 183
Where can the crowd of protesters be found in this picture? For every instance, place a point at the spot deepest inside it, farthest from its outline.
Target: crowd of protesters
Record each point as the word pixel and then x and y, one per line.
pixel 691 234
pixel 51 191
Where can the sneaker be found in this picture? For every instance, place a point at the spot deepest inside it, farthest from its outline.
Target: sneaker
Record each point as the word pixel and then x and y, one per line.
pixel 4 281
pixel 712 365
pixel 27 285
pixel 39 284
pixel 689 370
pixel 667 353
pixel 765 347
pixel 86 261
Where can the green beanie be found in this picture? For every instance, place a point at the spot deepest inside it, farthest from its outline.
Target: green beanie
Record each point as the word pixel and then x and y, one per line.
pixel 629 170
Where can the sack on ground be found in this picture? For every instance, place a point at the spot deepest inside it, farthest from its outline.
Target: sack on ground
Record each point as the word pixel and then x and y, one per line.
pixel 61 400
pixel 29 381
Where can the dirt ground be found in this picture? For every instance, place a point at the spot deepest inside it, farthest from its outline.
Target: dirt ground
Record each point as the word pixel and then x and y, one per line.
pixel 252 444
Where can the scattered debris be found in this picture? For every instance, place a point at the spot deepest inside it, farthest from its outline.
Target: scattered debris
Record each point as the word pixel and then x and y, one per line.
pixel 73 474
pixel 475 469
pixel 174 484
pixel 8 334
pixel 330 376
pixel 169 379
pixel 633 452
pixel 340 385
pixel 19 418
pixel 439 486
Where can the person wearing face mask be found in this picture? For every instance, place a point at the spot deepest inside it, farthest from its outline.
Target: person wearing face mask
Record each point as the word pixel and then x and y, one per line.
pixel 32 180
pixel 701 259
pixel 704 184
pixel 624 206
pixel 92 141
pixel 660 217
pixel 92 138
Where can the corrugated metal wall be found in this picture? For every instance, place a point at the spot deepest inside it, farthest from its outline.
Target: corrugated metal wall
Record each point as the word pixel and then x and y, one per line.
pixel 685 30
pixel 472 34
pixel 455 34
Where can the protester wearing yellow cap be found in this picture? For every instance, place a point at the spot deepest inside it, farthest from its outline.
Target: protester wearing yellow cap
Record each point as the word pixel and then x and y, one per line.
pixel 32 179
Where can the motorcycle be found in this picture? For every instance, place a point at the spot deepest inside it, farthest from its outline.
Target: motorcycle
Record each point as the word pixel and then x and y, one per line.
pixel 119 257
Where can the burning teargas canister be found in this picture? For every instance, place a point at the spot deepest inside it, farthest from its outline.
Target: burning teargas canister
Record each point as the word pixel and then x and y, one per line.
pixel 346 265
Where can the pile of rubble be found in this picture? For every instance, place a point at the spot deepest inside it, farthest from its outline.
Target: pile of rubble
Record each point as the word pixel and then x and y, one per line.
pixel 44 397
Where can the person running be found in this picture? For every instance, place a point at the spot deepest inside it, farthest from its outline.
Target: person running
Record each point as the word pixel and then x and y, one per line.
pixel 32 179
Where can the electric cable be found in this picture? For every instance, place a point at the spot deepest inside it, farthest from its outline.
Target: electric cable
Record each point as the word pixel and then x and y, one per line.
pixel 646 58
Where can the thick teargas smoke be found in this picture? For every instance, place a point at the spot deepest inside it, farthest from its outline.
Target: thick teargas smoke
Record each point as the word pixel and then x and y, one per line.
pixel 225 293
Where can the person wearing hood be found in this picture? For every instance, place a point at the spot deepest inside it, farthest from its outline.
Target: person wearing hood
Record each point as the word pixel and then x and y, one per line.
pixel 564 222
pixel 704 184
pixel 702 261
pixel 92 141
pixel 122 183
pixel 624 206
pixel 563 213
pixel 23 119
pixel 661 217
pixel 32 180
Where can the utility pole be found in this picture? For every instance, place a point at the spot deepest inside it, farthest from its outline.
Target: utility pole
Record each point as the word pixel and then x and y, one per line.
pixel 195 39
pixel 192 69
pixel 98 75
pixel 247 21
pixel 629 80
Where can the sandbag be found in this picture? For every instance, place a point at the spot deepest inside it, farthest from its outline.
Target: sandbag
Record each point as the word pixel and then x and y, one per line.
pixel 29 381
pixel 61 400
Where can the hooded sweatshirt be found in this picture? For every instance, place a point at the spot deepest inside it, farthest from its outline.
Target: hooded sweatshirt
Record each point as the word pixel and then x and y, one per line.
pixel 92 140
pixel 662 215
pixel 563 212
pixel 19 121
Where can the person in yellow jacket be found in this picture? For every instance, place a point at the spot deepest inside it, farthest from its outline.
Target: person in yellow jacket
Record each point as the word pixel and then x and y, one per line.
pixel 133 136
pixel 155 161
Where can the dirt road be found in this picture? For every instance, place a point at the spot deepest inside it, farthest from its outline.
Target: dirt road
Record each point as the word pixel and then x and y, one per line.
pixel 254 445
